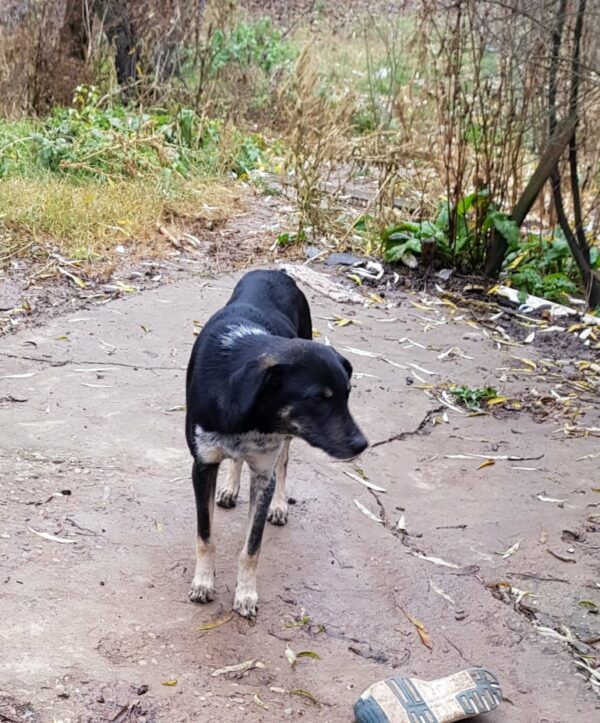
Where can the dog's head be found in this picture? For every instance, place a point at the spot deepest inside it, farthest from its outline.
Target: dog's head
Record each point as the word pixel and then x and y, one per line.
pixel 300 388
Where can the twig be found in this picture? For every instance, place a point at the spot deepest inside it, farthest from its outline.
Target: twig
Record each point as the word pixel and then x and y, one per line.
pixel 419 430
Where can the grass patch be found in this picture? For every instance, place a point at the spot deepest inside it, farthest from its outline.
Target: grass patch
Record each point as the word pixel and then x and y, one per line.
pixel 87 179
pixel 86 220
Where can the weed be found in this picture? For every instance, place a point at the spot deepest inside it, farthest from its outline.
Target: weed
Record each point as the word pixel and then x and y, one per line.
pixel 402 241
pixel 473 397
pixel 91 177
pixel 543 266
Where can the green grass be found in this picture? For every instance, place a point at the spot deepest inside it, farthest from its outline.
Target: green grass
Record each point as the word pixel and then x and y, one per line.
pixel 89 178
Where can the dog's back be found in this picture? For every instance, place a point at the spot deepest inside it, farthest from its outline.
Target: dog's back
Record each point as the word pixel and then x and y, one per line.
pixel 265 303
pixel 282 308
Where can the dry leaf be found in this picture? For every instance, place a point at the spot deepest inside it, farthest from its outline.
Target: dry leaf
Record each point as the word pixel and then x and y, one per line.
pixel 215 624
pixel 290 655
pixel 159 527
pixel 511 550
pixel 51 538
pixel 486 463
pixel 440 592
pixel 259 702
pixel 529 338
pixel 496 400
pixel 364 482
pixel 367 512
pixel 421 629
pixel 239 668
pixel 304 694
pixel 171 682
pixel 435 560
pixel 541 498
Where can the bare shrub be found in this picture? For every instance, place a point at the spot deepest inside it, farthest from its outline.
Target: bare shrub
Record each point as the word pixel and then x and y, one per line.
pixel 316 130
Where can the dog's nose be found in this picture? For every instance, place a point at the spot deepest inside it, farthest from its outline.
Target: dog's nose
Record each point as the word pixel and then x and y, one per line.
pixel 358 443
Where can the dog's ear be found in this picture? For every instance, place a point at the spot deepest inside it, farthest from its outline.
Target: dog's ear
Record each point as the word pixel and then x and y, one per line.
pixel 247 382
pixel 346 364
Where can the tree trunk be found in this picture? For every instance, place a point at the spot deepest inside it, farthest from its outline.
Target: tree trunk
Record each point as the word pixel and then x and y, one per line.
pixel 119 29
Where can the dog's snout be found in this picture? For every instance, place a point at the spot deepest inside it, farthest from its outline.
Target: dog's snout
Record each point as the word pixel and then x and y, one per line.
pixel 358 443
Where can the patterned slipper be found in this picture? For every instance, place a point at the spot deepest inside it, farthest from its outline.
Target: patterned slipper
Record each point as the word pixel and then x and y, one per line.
pixel 410 700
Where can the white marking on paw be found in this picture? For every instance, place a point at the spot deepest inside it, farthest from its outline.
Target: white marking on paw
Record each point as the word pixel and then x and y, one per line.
pixel 203 584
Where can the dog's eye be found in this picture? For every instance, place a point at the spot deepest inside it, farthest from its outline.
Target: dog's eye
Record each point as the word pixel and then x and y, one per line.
pixel 323 395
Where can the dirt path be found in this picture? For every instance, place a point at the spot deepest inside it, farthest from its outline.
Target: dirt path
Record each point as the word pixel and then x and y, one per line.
pixel 91 628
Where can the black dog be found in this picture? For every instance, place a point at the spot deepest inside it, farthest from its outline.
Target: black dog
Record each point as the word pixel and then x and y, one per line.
pixel 255 379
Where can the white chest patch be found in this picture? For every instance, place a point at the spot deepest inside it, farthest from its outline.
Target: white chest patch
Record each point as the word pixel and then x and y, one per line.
pixel 238 331
pixel 214 447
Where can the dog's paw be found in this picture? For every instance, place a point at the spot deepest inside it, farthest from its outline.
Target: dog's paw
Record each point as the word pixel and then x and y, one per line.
pixel 246 604
pixel 201 591
pixel 226 498
pixel 278 514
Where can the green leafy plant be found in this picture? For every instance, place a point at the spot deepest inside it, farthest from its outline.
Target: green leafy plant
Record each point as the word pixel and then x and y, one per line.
pixel 474 217
pixel 257 44
pixel 473 397
pixel 543 266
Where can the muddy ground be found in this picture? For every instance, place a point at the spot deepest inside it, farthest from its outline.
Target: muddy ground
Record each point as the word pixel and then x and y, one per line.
pixel 96 625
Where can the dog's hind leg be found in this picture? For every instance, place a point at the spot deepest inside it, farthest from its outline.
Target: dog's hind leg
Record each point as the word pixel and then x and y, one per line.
pixel 229 489
pixel 204 477
pixel 262 486
pixel 278 511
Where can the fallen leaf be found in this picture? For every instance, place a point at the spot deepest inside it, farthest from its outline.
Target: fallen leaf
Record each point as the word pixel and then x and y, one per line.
pixel 486 463
pixel 496 400
pixel 259 702
pixel 145 328
pixel 356 278
pixel 440 592
pixel 176 408
pixel 290 655
pixel 562 558
pixel 367 512
pixel 159 527
pixel 238 668
pixel 421 629
pixel 125 288
pixel 52 538
pixel 435 560
pixel 304 694
pixel 215 624
pixel 364 481
pixel 75 279
pixel 511 550
pixel 590 605
pixel 308 654
pixel 541 498
pixel 401 524
pixel 529 338
pixel 170 682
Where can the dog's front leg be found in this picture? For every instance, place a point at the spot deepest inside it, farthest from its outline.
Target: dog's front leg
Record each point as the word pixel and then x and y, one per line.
pixel 278 512
pixel 204 477
pixel 262 485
